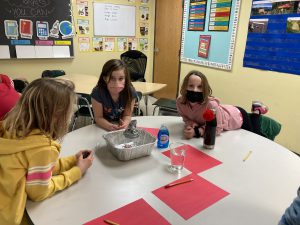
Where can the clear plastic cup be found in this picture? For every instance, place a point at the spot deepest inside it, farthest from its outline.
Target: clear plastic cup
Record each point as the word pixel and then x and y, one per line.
pixel 177 156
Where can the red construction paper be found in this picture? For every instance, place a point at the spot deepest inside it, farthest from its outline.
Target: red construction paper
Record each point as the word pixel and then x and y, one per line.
pixel 190 198
pixel 135 213
pixel 153 131
pixel 195 160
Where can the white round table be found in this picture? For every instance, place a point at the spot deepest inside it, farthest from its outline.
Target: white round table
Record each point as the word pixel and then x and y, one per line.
pixel 260 188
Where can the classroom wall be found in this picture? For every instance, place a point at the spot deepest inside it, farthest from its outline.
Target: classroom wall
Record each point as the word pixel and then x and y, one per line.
pixel 280 91
pixel 238 87
pixel 86 63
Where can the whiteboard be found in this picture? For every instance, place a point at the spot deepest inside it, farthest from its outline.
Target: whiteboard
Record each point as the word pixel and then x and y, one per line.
pixel 114 20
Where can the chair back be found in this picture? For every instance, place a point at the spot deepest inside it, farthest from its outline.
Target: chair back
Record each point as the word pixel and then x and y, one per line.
pixel 137 107
pixel 136 62
pixel 20 84
pixel 83 108
pixel 53 73
pixel 166 107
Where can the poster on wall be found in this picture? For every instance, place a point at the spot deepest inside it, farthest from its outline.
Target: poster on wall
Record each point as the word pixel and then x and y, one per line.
pixel 274 36
pixel 219 16
pixel 204 43
pixel 82 8
pixel 211 49
pixel 197 13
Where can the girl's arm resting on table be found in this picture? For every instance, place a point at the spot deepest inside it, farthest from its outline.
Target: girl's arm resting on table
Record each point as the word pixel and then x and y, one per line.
pixel 64 164
pixel 126 118
pixel 40 183
pixel 99 119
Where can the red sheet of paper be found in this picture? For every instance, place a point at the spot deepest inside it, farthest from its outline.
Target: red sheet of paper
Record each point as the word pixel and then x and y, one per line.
pixel 195 160
pixel 153 131
pixel 190 198
pixel 135 213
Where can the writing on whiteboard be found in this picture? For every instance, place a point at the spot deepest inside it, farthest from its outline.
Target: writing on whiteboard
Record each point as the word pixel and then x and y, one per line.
pixel 112 13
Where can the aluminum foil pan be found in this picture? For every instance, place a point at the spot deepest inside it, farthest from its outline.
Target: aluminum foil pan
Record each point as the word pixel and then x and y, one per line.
pixel 129 148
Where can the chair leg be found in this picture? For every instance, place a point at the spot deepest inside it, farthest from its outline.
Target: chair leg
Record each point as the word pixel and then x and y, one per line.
pixel 74 122
pixel 155 109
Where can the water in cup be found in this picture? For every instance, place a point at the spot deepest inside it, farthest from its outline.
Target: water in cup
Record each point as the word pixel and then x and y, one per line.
pixel 177 156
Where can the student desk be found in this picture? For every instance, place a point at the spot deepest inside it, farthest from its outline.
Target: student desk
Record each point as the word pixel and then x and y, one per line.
pixel 84 83
pixel 261 188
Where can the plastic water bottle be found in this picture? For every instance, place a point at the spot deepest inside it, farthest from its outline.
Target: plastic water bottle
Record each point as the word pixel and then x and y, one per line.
pixel 163 137
pixel 209 137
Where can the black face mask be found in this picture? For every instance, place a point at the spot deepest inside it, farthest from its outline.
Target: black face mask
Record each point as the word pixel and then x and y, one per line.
pixel 193 96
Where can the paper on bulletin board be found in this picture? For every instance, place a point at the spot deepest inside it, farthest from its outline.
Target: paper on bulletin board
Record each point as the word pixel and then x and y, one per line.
pixel 122 44
pixel 222 42
pixel 61 52
pixel 4 52
pixel 44 51
pixel 97 44
pixel 25 51
pixel 84 44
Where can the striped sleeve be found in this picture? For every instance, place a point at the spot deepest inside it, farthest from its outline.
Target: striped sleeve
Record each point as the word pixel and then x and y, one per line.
pixel 41 183
pixel 39 175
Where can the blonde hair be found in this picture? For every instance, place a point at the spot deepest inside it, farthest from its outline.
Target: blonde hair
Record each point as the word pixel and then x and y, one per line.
pixel 46 104
pixel 205 86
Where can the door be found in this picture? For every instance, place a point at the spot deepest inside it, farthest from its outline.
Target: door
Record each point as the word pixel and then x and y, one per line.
pixel 168 26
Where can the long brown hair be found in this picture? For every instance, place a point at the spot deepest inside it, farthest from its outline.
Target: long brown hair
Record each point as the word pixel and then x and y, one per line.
pixel 47 105
pixel 105 76
pixel 205 85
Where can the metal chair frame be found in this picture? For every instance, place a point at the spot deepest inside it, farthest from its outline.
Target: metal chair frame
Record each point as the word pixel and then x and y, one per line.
pixel 83 108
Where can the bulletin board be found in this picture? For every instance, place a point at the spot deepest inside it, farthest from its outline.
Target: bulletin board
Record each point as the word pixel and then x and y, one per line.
pixel 273 41
pixel 36 29
pixel 209 31
pixel 114 20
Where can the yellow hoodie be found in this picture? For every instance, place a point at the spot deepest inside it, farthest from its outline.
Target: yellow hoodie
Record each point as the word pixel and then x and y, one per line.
pixel 30 168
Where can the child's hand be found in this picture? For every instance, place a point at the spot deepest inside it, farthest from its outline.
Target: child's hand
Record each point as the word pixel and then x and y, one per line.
pixel 122 124
pixel 84 163
pixel 188 132
pixel 78 154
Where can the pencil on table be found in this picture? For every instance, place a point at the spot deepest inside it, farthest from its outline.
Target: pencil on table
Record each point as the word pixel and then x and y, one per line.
pixel 247 156
pixel 110 222
pixel 177 183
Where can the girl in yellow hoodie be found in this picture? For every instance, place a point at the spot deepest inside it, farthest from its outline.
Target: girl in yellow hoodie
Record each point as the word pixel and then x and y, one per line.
pixel 29 155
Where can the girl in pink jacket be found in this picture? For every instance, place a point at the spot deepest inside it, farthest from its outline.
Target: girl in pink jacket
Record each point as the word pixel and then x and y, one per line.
pixel 196 98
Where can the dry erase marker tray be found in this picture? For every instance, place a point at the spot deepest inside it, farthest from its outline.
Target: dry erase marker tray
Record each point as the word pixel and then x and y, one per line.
pixel 126 148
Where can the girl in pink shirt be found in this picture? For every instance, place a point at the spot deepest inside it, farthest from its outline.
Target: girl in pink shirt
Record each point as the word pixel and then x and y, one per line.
pixel 196 98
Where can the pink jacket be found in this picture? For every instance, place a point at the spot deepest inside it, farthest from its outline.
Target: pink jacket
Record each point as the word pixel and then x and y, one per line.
pixel 228 116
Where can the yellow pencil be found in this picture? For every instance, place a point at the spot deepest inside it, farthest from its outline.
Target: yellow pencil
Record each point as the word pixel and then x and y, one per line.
pixel 110 222
pixel 247 156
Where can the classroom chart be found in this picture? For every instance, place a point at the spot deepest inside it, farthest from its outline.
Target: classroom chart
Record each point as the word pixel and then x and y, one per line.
pixel 209 41
pixel 274 36
pixel 36 29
